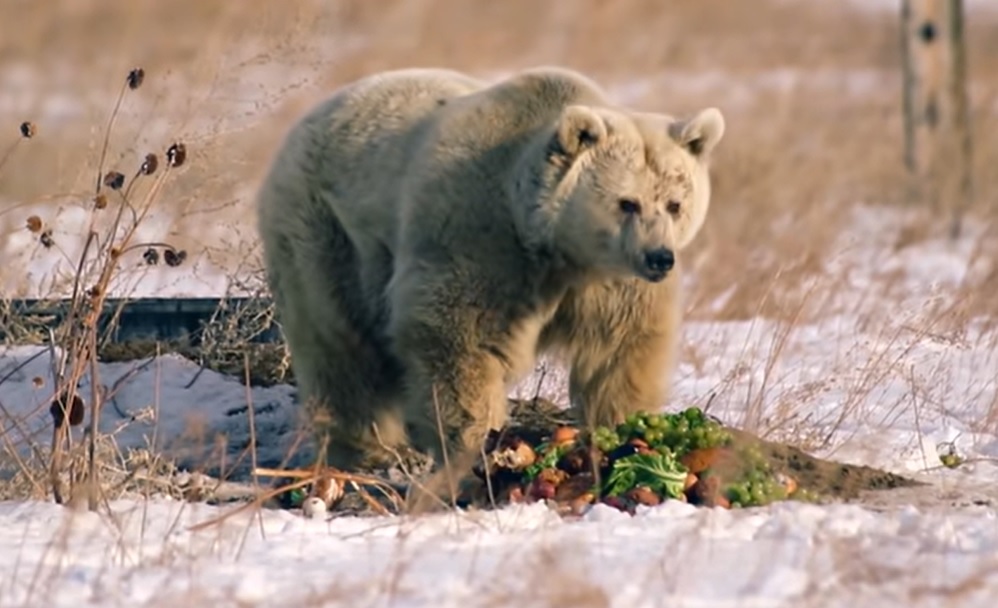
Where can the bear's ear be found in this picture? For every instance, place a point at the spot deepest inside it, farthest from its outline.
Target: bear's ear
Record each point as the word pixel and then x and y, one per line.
pixel 578 128
pixel 701 133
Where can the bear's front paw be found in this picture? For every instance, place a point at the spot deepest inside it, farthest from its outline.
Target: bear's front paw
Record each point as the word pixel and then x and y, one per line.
pixel 441 490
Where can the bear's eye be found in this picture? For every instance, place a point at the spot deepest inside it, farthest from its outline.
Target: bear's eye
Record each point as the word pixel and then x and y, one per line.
pixel 673 207
pixel 629 206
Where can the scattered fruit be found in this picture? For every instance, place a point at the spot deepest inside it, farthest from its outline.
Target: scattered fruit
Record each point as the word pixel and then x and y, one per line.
pixel 513 455
pixel 313 507
pixel 564 435
pixel 691 480
pixel 542 490
pixel 788 482
pixel 576 486
pixel 552 476
pixel 699 460
pixel 328 490
pixel 644 495
pixel 516 495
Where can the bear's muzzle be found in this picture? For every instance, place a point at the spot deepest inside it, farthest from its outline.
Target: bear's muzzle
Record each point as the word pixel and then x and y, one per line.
pixel 657 264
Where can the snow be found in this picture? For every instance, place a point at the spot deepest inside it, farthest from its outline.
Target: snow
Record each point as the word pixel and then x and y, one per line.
pixel 674 555
pixel 874 379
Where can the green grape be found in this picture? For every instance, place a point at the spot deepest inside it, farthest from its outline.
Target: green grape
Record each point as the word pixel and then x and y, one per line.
pixel 605 439
pixel 693 415
pixel 736 494
pixel 759 494
pixel 804 495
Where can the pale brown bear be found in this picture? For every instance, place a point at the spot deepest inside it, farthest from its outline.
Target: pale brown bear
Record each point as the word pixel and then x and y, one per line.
pixel 428 235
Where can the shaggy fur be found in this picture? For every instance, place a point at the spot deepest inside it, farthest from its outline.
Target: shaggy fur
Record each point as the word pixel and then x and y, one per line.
pixel 427 236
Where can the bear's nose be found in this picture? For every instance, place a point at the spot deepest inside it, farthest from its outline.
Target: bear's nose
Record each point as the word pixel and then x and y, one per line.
pixel 660 260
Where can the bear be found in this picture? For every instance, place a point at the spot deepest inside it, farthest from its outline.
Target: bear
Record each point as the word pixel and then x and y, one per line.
pixel 427 236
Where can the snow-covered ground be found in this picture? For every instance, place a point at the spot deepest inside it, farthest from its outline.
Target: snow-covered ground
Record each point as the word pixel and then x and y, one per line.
pixel 673 555
pixel 885 390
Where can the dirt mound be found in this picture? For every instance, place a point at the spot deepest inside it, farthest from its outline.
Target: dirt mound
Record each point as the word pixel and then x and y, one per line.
pixel 827 478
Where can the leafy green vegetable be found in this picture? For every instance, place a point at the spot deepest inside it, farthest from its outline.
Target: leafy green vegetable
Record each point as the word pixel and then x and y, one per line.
pixel 297 496
pixel 549 459
pixel 660 472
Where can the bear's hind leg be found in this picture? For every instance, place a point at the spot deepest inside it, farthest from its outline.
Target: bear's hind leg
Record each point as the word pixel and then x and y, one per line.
pixel 452 403
pixel 455 388
pixel 346 380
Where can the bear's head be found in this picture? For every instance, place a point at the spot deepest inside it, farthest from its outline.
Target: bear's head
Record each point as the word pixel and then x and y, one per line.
pixel 624 192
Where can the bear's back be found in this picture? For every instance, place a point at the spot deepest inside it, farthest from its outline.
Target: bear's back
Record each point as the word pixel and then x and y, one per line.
pixel 362 140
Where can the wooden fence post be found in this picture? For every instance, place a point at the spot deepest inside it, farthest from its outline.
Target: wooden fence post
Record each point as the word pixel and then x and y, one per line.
pixel 962 137
pixel 937 137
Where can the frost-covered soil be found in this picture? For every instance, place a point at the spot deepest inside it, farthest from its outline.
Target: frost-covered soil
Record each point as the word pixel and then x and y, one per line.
pixel 875 376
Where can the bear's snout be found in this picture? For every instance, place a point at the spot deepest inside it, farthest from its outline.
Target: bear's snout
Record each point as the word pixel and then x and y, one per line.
pixel 658 263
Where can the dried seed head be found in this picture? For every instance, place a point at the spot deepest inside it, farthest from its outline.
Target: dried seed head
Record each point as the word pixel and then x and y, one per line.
pixel 28 129
pixel 100 201
pixel 135 78
pixel 149 165
pixel 38 381
pixel 114 180
pixel 115 252
pixel 94 292
pixel 34 224
pixel 176 154
pixel 59 408
pixel 174 257
pixel 151 256
pixel 76 412
pixel 46 238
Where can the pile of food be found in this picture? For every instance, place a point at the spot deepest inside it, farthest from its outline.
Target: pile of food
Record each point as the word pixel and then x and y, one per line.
pixel 647 459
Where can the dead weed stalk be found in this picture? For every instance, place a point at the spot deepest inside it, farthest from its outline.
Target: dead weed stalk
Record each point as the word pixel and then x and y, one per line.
pixel 117 209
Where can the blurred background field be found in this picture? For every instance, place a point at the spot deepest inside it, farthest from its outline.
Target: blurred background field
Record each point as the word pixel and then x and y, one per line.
pixel 811 91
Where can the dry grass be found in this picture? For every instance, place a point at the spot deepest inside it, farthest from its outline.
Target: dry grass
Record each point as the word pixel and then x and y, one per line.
pixel 811 91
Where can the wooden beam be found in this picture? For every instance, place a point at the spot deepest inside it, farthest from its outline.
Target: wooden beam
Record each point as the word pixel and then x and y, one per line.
pixel 937 134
